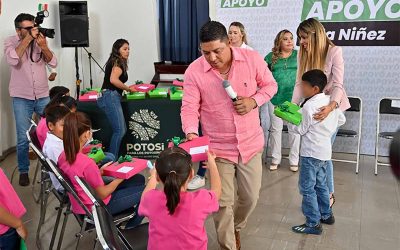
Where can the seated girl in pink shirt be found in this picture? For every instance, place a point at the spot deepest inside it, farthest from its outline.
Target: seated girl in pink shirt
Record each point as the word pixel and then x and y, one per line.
pixel 11 211
pixel 176 216
pixel 119 195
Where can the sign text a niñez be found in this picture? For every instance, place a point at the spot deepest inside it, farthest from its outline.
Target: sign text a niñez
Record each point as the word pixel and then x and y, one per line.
pixel 357 22
pixel 243 3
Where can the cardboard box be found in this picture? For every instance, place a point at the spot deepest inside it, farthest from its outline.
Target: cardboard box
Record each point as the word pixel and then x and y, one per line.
pixel 126 170
pixel 176 93
pixel 143 87
pixel 289 112
pixel 135 96
pixel 90 96
pixel 178 82
pixel 87 148
pixel 158 93
pixel 196 148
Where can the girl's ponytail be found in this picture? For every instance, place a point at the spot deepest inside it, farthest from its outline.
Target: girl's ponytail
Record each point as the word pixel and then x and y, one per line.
pixel 174 167
pixel 172 190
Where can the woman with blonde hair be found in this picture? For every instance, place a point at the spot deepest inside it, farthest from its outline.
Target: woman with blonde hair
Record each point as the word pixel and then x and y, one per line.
pixel 282 62
pixel 238 36
pixel 318 52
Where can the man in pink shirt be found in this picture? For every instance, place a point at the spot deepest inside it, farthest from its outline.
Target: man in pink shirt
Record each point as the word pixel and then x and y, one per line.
pixel 233 126
pixel 27 54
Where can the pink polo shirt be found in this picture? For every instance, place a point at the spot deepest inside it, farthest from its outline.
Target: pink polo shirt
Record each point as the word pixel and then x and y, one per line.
pixel 85 168
pixel 28 79
pixel 185 228
pixel 205 100
pixel 9 200
pixel 41 131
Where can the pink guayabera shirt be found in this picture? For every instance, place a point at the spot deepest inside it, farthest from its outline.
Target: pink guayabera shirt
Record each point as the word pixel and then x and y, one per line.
pixel 28 79
pixel 205 100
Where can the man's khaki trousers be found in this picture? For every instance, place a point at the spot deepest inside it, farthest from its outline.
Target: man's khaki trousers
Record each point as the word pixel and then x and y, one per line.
pixel 232 217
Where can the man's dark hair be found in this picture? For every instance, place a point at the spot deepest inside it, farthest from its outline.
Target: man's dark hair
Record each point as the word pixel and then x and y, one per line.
pixel 315 77
pixel 212 31
pixel 23 17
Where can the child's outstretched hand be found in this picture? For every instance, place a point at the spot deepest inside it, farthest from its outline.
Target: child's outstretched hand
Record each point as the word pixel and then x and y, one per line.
pixel 211 159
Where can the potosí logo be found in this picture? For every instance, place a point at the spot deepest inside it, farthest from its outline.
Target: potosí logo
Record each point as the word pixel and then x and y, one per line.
pixel 243 3
pixel 357 22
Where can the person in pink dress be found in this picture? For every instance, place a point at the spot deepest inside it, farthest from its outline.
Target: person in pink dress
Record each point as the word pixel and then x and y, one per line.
pixel 177 217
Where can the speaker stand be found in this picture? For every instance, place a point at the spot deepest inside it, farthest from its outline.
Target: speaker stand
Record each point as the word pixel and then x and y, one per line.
pixel 78 80
pixel 90 65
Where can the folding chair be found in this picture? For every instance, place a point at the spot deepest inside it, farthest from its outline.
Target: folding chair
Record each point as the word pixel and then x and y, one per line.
pixel 355 106
pixel 46 189
pixel 86 220
pixel 107 233
pixel 32 138
pixel 386 107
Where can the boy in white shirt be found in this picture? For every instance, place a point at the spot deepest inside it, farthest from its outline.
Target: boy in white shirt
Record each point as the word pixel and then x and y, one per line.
pixel 53 145
pixel 315 152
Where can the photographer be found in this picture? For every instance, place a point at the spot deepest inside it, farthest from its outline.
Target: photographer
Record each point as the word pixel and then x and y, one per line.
pixel 27 54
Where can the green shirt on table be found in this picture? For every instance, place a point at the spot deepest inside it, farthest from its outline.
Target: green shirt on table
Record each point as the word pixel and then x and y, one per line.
pixel 284 72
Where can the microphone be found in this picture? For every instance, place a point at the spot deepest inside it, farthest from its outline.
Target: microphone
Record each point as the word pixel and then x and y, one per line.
pixel 229 90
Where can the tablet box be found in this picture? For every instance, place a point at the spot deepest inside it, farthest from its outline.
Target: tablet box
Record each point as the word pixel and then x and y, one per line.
pixel 143 87
pixel 196 148
pixel 136 96
pixel 178 82
pixel 90 96
pixel 87 148
pixel 289 112
pixel 158 93
pixel 176 93
pixel 126 170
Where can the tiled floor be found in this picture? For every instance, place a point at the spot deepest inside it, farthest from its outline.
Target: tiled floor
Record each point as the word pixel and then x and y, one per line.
pixel 367 213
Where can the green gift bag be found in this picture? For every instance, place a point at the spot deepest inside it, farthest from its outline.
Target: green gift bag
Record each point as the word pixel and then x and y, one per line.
pixel 96 154
pixel 158 93
pixel 175 93
pixel 136 96
pixel 288 112
pixel 22 246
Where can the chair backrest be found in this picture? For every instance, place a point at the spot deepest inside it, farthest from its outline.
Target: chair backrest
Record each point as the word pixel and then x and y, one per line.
pixel 106 231
pixel 65 183
pixel 32 135
pixel 355 104
pixel 38 152
pixel 90 192
pixel 386 106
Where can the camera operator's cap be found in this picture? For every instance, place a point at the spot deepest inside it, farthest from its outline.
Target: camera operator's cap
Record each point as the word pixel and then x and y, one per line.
pixel 42 6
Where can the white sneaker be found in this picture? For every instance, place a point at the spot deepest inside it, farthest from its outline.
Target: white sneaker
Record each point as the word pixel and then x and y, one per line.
pixel 196 183
pixel 294 168
pixel 273 167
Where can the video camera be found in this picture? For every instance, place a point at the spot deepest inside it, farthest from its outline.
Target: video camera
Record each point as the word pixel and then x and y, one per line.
pixel 39 20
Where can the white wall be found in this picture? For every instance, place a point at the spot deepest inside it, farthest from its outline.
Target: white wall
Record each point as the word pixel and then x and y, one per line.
pixel 136 21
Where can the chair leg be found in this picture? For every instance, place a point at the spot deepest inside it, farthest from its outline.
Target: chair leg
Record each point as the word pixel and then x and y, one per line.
pixel 80 234
pixel 43 204
pixel 66 214
pixel 36 197
pixel 376 156
pixel 358 155
pixel 56 224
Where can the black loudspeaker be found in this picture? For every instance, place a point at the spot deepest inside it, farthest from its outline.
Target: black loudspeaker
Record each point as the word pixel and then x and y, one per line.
pixel 74 24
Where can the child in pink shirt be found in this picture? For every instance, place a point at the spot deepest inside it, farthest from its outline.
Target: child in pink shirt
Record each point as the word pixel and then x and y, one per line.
pixel 176 216
pixel 11 211
pixel 119 195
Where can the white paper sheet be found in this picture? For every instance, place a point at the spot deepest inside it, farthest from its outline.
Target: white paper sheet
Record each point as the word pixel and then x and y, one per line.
pixel 125 169
pixel 162 92
pixel 198 150
pixel 92 96
pixel 395 103
pixel 143 87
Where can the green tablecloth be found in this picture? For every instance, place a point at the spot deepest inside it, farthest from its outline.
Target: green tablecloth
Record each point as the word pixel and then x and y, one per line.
pixel 150 123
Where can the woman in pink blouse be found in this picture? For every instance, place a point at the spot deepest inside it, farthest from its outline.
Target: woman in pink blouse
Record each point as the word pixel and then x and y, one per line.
pixel 318 52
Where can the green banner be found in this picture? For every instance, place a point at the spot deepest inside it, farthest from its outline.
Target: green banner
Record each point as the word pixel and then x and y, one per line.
pixel 351 10
pixel 243 3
